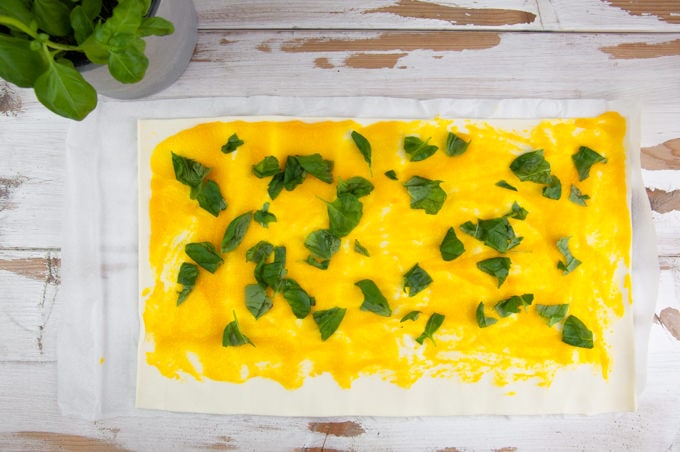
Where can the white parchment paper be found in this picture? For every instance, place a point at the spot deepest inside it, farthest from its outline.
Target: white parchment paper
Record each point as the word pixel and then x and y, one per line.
pixel 98 337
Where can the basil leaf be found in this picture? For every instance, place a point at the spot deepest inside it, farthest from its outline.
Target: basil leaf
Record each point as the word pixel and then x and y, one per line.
pixel 233 143
pixel 235 232
pixel 65 91
pixel 391 175
pixel 322 243
pixel 512 305
pixel 532 166
pixel 257 300
pixel 344 214
pixel 357 186
pixel 554 188
pixel 577 197
pixel 328 321
pixel 317 166
pixel 18 9
pixel 570 262
pixel 413 316
pixel 18 63
pixel 576 333
pixel 188 273
pixel 293 174
pixel 425 194
pixel 433 323
pixel 259 252
pixel 496 233
pixel 364 146
pixel 155 26
pixel 498 267
pixel 269 166
pixel 504 184
pixel 320 264
pixel 360 249
pixel 53 17
pixel 455 145
pixel 418 149
pixel 482 320
pixel 299 300
pixel 233 337
pixel 92 8
pixel 264 216
pixel 272 274
pixel 517 212
pixel 584 159
pixel 275 185
pixel 374 300
pixel 210 198
pixel 416 280
pixel 205 255
pixel 81 24
pixel 552 313
pixel 127 61
pixel 451 247
pixel 189 172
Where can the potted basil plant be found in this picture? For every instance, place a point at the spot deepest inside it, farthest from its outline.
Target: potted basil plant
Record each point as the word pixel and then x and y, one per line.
pixel 61 48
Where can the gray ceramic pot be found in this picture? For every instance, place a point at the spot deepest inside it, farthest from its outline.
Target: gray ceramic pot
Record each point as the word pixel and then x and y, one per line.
pixel 168 55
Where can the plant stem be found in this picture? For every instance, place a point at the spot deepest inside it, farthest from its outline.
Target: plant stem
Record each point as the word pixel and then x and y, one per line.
pixel 15 23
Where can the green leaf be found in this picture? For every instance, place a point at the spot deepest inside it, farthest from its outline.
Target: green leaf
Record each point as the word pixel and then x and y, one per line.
pixel 433 323
pixel 188 171
pixel 517 212
pixel 455 145
pixel 570 262
pixel 322 243
pixel 18 63
pixel 275 185
pixel 127 61
pixel 344 214
pixel 391 175
pixel 496 233
pixel 498 267
pixel 264 216
pixel 552 313
pixel 17 9
pixel 233 337
pixel 269 166
pixel 317 166
pixel 576 333
pixel 374 300
pixel 233 143
pixel 584 159
pixel 482 320
pixel 416 280
pixel 64 91
pixel 210 198
pixel 126 19
pixel 512 305
pixel 82 25
pixel 506 185
pixel 532 166
pixel 554 188
pixel 259 252
pixel 363 145
pixel 357 186
pixel 96 51
pixel 53 17
pixel 92 8
pixel 236 231
pixel 293 174
pixel 272 274
pixel 451 247
pixel 205 255
pixel 188 273
pixel 425 194
pixel 577 197
pixel 418 149
pixel 257 300
pixel 299 300
pixel 412 315
pixel 360 249
pixel 329 320
pixel 155 26
pixel 320 264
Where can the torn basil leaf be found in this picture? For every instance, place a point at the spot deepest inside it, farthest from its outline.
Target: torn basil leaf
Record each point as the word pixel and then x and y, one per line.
pixel 496 233
pixel 360 249
pixel 204 254
pixel 483 320
pixel 498 267
pixel 451 247
pixel 322 243
pixel 189 172
pixel 233 143
pixel 418 149
pixel 268 166
pixel 425 194
pixel 188 273
pixel 512 305
pixel 433 323
pixel 357 186
pixel 264 216
pixel 233 337
pixel 210 198
pixel 293 173
pixel 299 300
pixel 570 262
pixel 344 214
pixel 455 145
pixel 272 274
pixel 391 175
pixel 532 166
pixel 506 185
pixel 412 315
pixel 374 300
pixel 317 166
pixel 577 197
pixel 552 313
pixel 235 232
pixel 257 300
pixel 328 321
pixel 259 252
pixel 364 147
pixel 554 188
pixel 416 280
pixel 275 185
pixel 321 264
pixel 584 159
pixel 576 333
pixel 517 212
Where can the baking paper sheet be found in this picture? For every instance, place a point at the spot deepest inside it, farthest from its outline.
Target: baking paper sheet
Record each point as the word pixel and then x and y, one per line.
pixel 98 338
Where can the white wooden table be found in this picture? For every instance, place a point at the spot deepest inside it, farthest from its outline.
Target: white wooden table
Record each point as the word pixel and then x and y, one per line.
pixel 614 49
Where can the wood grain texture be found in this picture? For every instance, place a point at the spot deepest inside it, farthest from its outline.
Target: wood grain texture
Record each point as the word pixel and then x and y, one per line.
pixel 643 50
pixel 664 156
